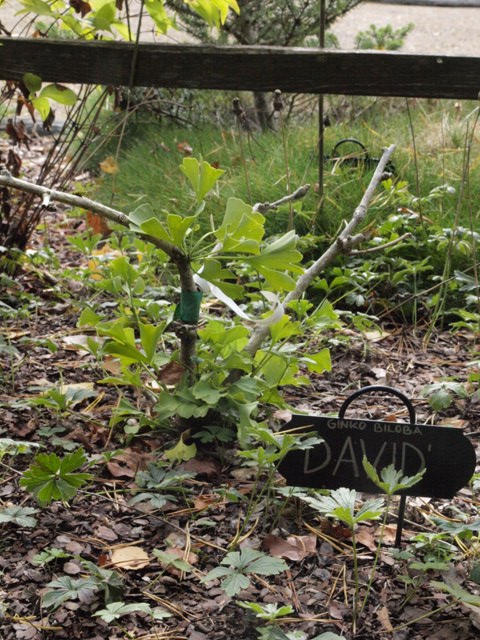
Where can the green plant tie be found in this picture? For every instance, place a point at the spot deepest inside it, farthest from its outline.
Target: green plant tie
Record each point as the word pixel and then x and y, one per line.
pixel 188 309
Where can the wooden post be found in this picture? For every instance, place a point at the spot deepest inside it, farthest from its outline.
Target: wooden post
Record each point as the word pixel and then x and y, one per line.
pixel 321 103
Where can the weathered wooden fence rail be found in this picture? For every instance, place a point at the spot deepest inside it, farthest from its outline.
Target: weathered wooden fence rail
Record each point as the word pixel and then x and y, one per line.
pixel 291 70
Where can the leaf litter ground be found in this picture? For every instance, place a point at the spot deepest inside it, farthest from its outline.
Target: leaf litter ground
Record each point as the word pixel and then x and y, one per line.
pixel 101 527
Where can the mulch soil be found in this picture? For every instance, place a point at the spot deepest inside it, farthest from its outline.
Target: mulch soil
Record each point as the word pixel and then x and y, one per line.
pixel 201 525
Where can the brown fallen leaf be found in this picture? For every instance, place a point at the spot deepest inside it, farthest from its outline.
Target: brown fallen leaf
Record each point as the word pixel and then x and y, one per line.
pixel 384 618
pixel 109 165
pixel 18 133
pixel 459 423
pixel 73 546
pixel 78 342
pixel 112 365
pixel 171 373
pixel 294 548
pixel 16 333
pixel 337 531
pixel 379 372
pixel 376 335
pixel 196 635
pixel 72 568
pixel 105 533
pixel 242 474
pixel 205 501
pixel 176 539
pixel 365 536
pixel 179 553
pixel 389 534
pixel 185 148
pixel 14 163
pixel 337 610
pixel 98 224
pixel 128 463
pixel 129 558
pixel 102 560
pixel 80 6
pixel 284 415
pixel 206 467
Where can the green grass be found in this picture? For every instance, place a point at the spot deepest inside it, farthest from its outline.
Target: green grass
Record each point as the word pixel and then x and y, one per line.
pixel 256 170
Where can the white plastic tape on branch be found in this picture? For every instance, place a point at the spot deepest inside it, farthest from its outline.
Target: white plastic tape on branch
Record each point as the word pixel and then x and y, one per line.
pixel 276 306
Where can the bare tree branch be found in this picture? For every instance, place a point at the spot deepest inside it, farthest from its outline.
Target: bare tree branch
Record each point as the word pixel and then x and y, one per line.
pixel 343 240
pixel 7 180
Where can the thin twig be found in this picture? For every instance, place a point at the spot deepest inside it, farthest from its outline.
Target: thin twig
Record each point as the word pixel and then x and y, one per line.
pixel 380 247
pixel 7 180
pixel 265 207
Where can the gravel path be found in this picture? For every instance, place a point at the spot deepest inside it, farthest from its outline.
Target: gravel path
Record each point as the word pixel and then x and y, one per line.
pixel 447 30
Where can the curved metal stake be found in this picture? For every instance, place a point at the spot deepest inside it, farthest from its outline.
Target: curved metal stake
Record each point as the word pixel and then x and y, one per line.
pixel 411 413
pixel 400 519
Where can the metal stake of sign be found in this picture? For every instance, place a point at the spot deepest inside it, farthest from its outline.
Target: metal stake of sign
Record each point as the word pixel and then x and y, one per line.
pixel 321 104
pixel 412 416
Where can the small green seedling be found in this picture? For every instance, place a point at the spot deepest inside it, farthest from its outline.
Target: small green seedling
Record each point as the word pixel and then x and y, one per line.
pixel 52 478
pixel 21 516
pixel 50 555
pixel 442 395
pixel 239 566
pixel 116 610
pixel 67 588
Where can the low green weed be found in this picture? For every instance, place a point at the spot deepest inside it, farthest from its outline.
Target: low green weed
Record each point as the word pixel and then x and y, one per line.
pixel 21 516
pixel 169 560
pixel 158 485
pixel 238 567
pixel 50 477
pixel 61 399
pixel 408 280
pixel 436 552
pixel 116 610
pixel 266 451
pixel 442 395
pixel 459 594
pixel 463 528
pixel 268 612
pixel 50 555
pixel 273 614
pixel 96 579
pixel 66 588
pixel 10 447
pixel 16 514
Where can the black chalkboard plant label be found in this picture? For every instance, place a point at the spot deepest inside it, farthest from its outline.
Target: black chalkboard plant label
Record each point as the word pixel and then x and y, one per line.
pixel 445 453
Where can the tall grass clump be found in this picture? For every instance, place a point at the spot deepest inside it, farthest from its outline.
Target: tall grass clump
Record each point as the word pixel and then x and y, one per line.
pixel 151 152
